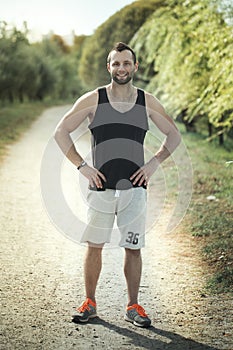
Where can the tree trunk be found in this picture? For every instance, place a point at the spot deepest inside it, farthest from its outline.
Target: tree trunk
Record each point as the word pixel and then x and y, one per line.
pixel 221 132
pixel 221 139
pixel 210 130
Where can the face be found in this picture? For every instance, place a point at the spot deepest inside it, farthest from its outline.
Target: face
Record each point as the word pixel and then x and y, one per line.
pixel 121 66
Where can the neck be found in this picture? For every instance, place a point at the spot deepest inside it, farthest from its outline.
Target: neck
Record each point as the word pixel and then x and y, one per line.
pixel 121 91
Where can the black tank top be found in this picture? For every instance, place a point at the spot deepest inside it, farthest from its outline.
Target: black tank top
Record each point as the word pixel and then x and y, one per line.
pixel 117 141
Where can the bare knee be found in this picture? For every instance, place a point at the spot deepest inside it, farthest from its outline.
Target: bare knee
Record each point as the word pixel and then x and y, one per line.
pixel 132 253
pixel 94 249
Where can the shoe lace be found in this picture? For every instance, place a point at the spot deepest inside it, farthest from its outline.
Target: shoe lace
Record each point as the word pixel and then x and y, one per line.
pixel 139 310
pixel 85 306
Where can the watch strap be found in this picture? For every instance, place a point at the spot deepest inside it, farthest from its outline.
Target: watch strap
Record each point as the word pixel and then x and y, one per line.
pixel 82 165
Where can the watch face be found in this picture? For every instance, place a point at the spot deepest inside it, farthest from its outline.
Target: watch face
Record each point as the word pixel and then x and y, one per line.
pixel 82 164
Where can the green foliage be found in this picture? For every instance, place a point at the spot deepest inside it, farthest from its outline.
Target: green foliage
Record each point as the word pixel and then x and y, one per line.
pixel 226 8
pixel 76 54
pixel 215 224
pixel 119 27
pixel 211 221
pixel 35 71
pixel 12 60
pixel 14 119
pixel 207 223
pixel 222 281
pixel 186 49
pixel 185 52
pixel 59 42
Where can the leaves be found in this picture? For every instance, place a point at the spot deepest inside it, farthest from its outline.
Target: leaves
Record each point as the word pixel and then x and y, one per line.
pixel 119 27
pixel 184 48
pixel 35 71
pixel 190 47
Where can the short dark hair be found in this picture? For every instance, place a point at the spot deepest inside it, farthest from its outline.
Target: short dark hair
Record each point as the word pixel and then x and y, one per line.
pixel 120 46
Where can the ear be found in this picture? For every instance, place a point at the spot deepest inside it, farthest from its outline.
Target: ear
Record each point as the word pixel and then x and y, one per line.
pixel 136 66
pixel 108 67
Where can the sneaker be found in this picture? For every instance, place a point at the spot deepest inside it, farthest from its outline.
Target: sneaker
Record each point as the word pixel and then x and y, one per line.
pixel 136 315
pixel 86 311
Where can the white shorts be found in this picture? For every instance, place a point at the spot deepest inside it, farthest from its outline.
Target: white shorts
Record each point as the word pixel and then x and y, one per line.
pixel 129 209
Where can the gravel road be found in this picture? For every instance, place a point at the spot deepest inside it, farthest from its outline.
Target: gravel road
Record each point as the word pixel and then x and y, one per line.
pixel 42 281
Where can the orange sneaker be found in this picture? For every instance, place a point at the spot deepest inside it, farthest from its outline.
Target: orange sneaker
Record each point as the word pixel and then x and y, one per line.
pixel 137 315
pixel 86 311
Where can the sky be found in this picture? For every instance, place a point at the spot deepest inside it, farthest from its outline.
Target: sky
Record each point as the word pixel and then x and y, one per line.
pixel 60 16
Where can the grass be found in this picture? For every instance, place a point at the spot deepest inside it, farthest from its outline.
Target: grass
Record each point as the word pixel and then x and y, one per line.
pixel 16 118
pixel 211 222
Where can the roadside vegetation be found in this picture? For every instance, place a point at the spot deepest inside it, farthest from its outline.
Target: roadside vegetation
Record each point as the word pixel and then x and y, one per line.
pixel 210 215
pixel 185 51
pixel 17 118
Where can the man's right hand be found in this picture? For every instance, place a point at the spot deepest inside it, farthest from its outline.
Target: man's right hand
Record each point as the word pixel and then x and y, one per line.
pixel 94 176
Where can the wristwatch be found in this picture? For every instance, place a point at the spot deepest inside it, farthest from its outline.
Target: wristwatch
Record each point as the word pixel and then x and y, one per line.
pixel 81 165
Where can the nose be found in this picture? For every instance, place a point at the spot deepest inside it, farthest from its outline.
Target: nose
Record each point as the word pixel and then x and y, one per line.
pixel 121 67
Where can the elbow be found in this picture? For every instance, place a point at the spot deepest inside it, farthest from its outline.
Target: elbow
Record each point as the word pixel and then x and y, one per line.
pixel 177 140
pixel 173 140
pixel 178 137
pixel 56 134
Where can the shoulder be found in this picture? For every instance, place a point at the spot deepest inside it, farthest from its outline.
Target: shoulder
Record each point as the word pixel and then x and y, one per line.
pixel 155 109
pixel 153 103
pixel 158 115
pixel 87 101
pixel 84 107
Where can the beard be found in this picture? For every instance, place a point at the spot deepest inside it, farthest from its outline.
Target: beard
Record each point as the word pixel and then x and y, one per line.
pixel 122 81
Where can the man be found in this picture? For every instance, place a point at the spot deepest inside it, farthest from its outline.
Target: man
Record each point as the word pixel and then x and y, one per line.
pixel 118 116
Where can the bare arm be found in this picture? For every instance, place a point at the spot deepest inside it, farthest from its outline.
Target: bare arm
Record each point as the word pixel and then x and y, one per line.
pixel 83 108
pixel 167 126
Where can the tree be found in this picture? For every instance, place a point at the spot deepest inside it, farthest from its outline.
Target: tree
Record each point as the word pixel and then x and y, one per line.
pixel 36 71
pixel 119 27
pixel 60 43
pixel 13 58
pixel 186 48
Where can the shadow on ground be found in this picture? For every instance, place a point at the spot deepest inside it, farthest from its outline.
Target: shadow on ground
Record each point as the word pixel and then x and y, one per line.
pixel 157 339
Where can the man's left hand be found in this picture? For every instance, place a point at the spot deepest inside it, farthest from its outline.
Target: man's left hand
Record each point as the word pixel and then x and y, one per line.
pixel 143 175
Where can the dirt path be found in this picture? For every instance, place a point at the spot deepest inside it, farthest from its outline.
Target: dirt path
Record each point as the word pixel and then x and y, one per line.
pixel 42 279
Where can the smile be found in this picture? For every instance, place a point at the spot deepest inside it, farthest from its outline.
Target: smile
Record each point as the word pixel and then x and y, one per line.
pixel 122 76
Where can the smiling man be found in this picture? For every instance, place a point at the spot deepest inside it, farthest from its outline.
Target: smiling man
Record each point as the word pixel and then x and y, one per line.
pixel 118 176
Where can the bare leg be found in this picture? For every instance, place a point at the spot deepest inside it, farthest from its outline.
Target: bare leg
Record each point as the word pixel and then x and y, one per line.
pixel 92 268
pixel 133 271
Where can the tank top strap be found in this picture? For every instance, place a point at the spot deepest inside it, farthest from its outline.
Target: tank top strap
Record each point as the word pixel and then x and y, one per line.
pixel 103 97
pixel 141 98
